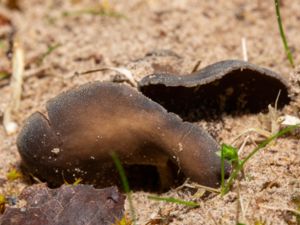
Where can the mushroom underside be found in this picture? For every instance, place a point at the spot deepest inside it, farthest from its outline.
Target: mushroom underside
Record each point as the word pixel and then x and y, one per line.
pixel 140 177
pixel 238 92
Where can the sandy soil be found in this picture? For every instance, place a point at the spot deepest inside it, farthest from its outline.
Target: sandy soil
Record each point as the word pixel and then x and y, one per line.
pixel 174 34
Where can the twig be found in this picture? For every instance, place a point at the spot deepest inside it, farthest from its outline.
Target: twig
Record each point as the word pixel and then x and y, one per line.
pixel 262 132
pixel 16 88
pixel 241 149
pixel 196 67
pixel 280 209
pixel 274 115
pixel 174 200
pixel 127 73
pixel 211 217
pixel 243 144
pixel 17 75
pixel 238 206
pixel 28 74
pixel 244 49
pixel 243 209
pixel 194 185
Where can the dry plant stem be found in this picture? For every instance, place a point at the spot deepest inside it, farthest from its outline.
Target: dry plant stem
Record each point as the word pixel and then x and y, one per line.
pixel 241 149
pixel 284 41
pixel 274 115
pixel 195 185
pixel 243 144
pixel 29 74
pixel 127 73
pixel 244 48
pixel 196 67
pixel 173 200
pixel 222 172
pixel 262 132
pixel 281 209
pixel 214 190
pixel 212 218
pixel 238 206
pixel 240 166
pixel 17 77
pixel 243 209
pixel 16 88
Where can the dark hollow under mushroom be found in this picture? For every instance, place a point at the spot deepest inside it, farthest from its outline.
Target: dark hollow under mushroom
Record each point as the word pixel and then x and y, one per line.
pixel 88 123
pixel 230 86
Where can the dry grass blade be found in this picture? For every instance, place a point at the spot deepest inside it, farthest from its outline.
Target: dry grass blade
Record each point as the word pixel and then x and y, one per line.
pixel 244 49
pixel 262 132
pixel 173 200
pixel 197 186
pixel 280 209
pixel 127 73
pixel 16 89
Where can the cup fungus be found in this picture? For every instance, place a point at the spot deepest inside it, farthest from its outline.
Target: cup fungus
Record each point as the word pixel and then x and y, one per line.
pixel 230 86
pixel 85 125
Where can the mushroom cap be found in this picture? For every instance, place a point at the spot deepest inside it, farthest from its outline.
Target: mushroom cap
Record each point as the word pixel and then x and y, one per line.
pixel 90 122
pixel 230 86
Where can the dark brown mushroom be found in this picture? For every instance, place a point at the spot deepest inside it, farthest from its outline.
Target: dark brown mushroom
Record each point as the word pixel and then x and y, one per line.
pixel 230 86
pixel 87 124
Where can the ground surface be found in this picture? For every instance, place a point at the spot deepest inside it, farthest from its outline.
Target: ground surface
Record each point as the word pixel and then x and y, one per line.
pixel 206 31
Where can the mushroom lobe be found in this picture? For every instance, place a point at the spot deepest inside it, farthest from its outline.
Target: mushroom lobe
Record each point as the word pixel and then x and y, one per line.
pixel 229 86
pixel 87 124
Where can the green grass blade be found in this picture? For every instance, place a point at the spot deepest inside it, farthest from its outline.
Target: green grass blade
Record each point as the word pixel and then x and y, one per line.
pixel 48 52
pixel 174 200
pixel 222 171
pixel 263 144
pixel 125 184
pixel 4 75
pixel 285 44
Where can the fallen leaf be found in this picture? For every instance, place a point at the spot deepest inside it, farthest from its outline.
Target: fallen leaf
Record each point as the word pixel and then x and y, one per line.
pixel 68 205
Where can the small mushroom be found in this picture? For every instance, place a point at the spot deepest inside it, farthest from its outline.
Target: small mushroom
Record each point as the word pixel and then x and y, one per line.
pixel 230 86
pixel 87 124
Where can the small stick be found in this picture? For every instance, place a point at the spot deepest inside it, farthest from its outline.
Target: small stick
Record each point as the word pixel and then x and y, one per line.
pixel 196 67
pixel 16 88
pixel 243 144
pixel 17 75
pixel 211 217
pixel 244 49
pixel 280 209
pixel 238 206
pixel 241 149
pixel 243 209
pixel 262 132
pixel 127 73
pixel 195 185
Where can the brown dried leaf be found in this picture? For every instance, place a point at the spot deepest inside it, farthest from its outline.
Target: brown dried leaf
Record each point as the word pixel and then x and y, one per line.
pixel 4 20
pixel 80 204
